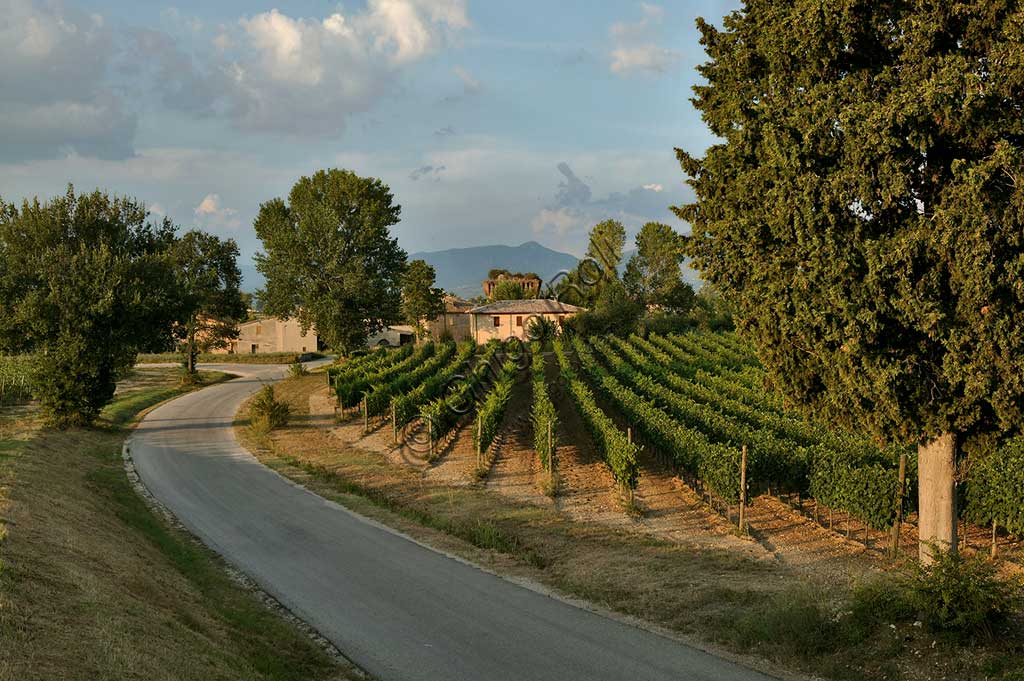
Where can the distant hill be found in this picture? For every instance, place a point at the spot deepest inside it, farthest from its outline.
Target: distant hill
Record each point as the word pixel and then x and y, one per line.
pixel 461 270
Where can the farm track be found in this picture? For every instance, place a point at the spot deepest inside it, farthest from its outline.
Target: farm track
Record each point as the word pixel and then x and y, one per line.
pixel 516 471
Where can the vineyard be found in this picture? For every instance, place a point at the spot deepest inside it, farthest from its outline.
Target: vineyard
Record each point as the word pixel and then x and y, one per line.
pixel 697 402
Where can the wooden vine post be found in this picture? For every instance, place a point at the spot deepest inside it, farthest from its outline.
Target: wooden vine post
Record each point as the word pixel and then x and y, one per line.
pixel 743 491
pixel 366 416
pixel 894 543
pixel 551 451
pixel 479 444
pixel 995 539
pixel 394 423
pixel 629 437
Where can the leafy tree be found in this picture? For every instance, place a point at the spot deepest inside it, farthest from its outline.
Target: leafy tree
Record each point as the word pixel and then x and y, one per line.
pixel 614 312
pixel 653 275
pixel 85 282
pixel 508 289
pixel 607 239
pixel 210 302
pixel 864 211
pixel 584 284
pixel 420 299
pixel 330 259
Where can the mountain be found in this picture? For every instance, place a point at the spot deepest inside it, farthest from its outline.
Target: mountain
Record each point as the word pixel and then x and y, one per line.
pixel 461 270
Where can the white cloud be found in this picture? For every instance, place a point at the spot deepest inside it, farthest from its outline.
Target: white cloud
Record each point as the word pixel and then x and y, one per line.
pixel 634 47
pixel 561 221
pixel 55 102
pixel 306 76
pixel 654 187
pixel 211 212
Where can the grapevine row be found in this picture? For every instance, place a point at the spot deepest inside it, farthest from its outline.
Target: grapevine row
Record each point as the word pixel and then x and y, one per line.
pixel 492 407
pixel 619 452
pixel 350 390
pixel 406 405
pixel 379 398
pixel 443 413
pixel 543 413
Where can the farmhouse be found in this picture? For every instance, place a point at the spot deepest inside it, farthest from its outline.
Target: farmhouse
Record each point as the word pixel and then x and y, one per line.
pixel 454 323
pixel 271 334
pixel 505 319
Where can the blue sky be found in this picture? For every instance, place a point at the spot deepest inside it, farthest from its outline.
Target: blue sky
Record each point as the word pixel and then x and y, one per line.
pixel 492 121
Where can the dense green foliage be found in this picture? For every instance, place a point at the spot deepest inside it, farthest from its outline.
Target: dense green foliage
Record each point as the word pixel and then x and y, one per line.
pixel 330 259
pixel 614 312
pixel 964 595
pixel 653 276
pixel 508 289
pixel 584 284
pixel 864 208
pixel 207 291
pixel 421 300
pixel 614 446
pixel 86 282
pixel 543 414
pixel 995 488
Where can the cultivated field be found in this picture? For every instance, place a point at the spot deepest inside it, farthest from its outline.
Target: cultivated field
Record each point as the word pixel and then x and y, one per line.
pixel 610 469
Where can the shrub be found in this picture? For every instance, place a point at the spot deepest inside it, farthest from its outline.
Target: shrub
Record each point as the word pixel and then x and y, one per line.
pixel 963 595
pixel 542 329
pixel 297 370
pixel 266 412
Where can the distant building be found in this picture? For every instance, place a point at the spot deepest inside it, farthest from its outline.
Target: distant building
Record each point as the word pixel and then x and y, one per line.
pixel 392 336
pixel 454 322
pixel 505 319
pixel 530 283
pixel 271 334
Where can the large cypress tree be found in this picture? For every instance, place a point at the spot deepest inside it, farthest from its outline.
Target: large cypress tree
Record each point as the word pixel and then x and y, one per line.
pixel 864 209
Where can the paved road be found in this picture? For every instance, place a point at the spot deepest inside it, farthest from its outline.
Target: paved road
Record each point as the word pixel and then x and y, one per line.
pixel 399 610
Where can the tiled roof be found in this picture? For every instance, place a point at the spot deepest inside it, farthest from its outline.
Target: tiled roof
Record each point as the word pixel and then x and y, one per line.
pixel 532 306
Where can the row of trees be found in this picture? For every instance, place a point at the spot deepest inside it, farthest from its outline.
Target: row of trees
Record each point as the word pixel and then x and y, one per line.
pixel 88 281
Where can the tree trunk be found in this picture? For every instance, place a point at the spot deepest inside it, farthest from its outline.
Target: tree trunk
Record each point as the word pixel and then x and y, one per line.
pixel 191 349
pixel 937 495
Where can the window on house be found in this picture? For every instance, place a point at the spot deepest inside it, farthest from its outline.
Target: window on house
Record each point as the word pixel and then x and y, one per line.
pixel 519 321
pixel 497 321
pixel 259 329
pixel 255 348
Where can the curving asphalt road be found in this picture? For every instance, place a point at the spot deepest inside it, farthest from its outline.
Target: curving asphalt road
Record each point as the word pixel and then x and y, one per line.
pixel 397 609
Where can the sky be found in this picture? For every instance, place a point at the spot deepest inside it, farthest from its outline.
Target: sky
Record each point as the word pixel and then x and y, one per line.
pixel 493 122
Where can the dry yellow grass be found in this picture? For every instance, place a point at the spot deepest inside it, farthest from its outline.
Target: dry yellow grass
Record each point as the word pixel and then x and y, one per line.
pixel 95 586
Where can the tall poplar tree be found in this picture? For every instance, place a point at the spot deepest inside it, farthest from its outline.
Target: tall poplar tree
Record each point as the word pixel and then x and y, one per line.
pixel 330 259
pixel 864 209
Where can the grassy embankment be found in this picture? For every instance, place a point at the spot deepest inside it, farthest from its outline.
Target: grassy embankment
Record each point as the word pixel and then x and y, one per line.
pixel 93 585
pixel 759 609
